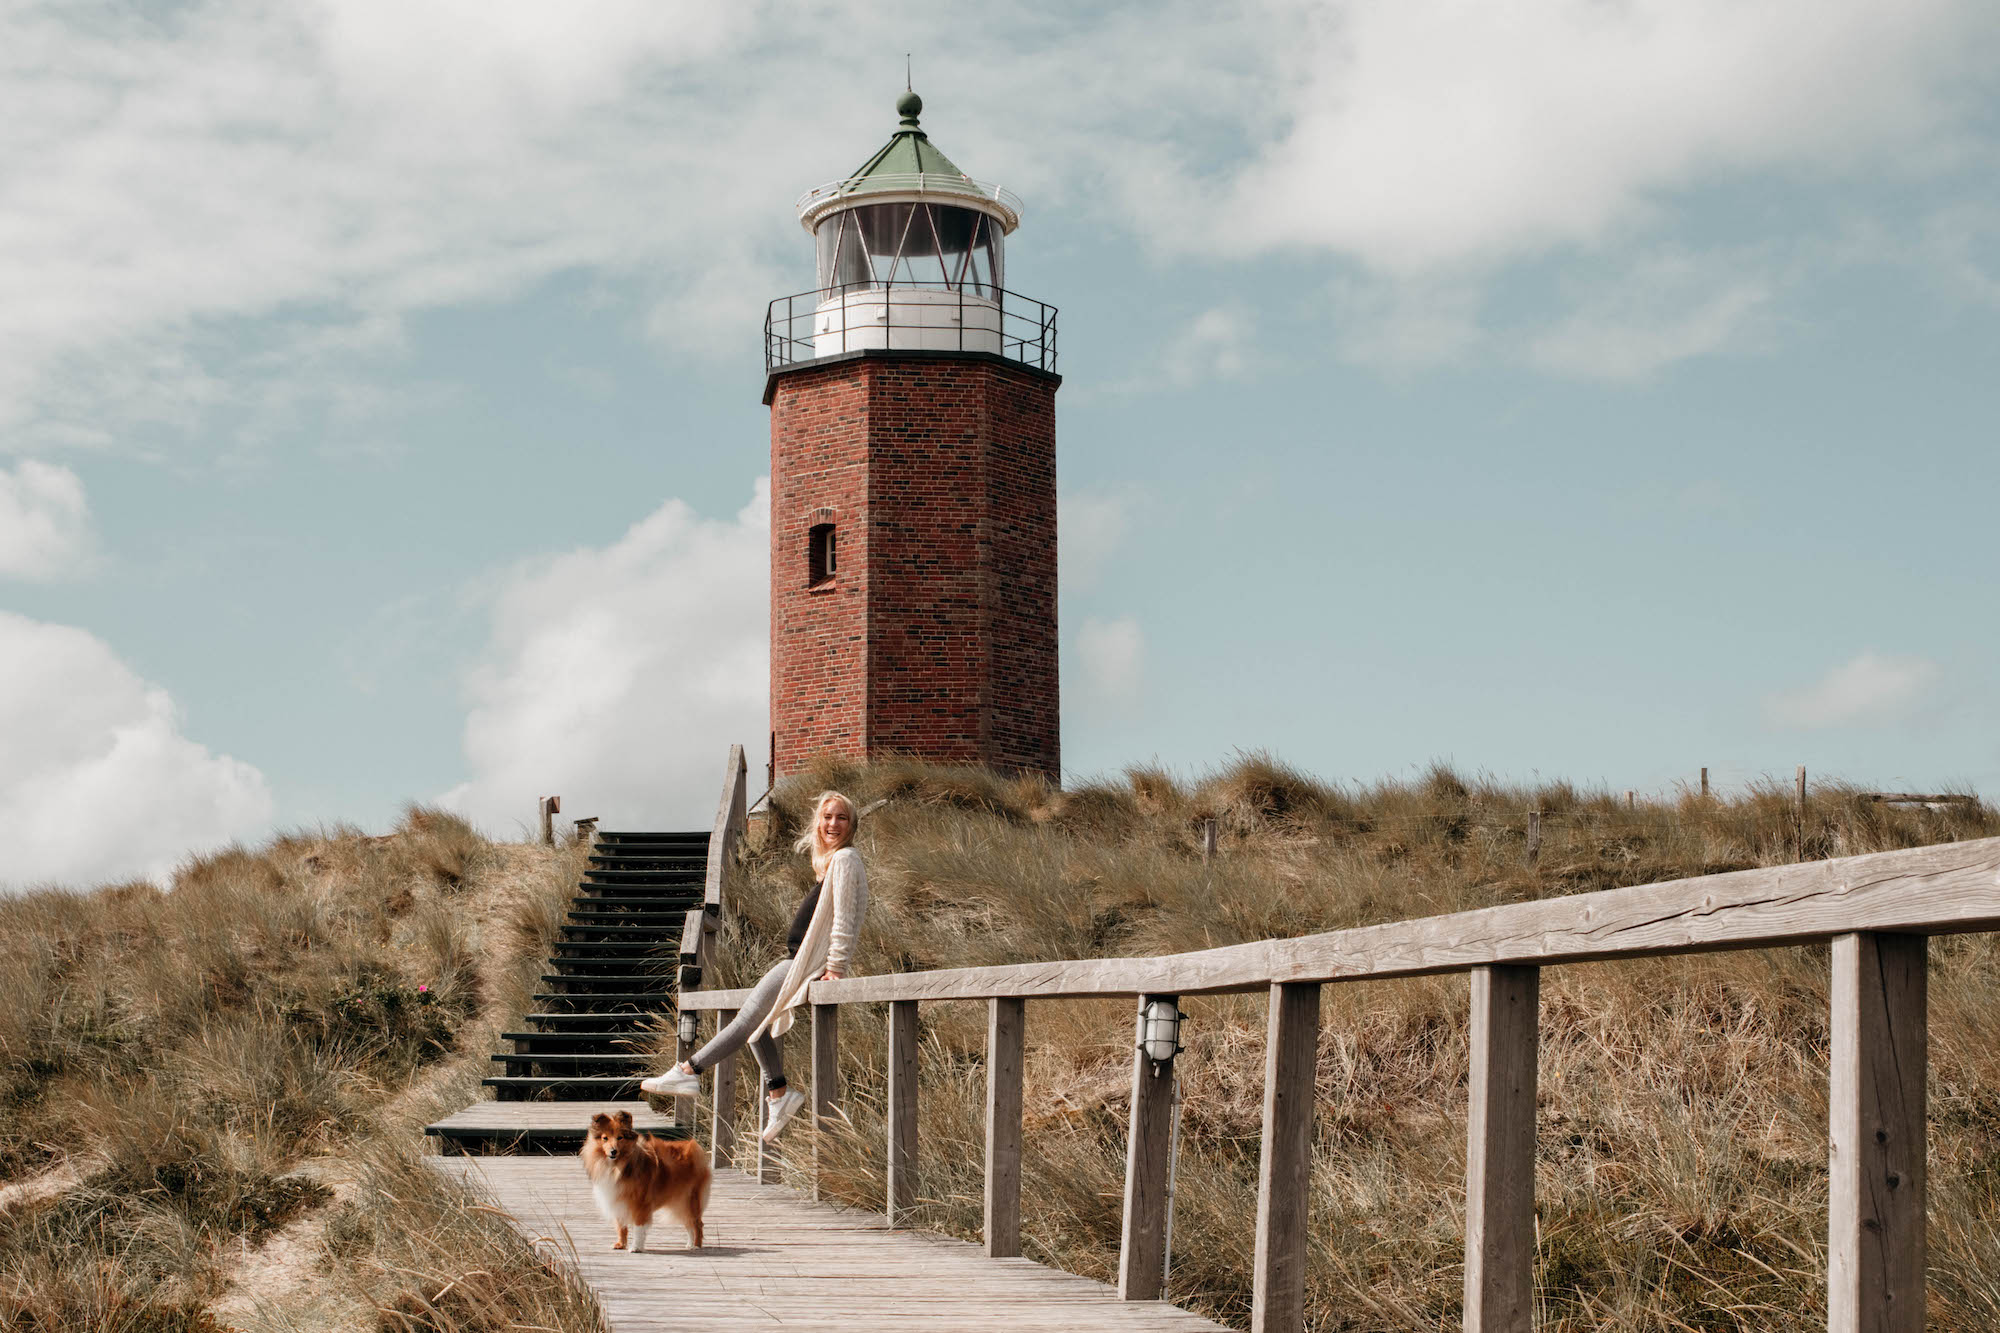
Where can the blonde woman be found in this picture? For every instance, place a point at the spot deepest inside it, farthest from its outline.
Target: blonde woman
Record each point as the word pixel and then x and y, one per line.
pixel 820 947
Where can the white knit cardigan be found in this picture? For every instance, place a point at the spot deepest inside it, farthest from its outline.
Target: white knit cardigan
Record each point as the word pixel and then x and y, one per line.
pixel 831 937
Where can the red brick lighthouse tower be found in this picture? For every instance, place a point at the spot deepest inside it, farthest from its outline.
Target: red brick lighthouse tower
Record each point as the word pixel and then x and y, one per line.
pixel 913 477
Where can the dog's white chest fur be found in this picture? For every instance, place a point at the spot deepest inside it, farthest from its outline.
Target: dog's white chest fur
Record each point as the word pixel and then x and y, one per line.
pixel 605 1187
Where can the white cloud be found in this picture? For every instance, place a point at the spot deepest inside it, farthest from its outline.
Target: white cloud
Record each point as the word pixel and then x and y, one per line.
pixel 1870 688
pixel 1427 133
pixel 1112 653
pixel 1091 526
pixel 1213 345
pixel 1664 309
pixel 44 521
pixel 99 783
pixel 327 170
pixel 1408 323
pixel 617 677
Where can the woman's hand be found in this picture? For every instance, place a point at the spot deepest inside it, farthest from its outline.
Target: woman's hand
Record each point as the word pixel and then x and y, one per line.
pixel 829 975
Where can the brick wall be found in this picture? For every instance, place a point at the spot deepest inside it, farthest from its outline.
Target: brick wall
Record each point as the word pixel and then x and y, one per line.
pixel 937 635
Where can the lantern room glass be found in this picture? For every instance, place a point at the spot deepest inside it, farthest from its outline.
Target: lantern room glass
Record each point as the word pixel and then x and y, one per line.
pixel 914 244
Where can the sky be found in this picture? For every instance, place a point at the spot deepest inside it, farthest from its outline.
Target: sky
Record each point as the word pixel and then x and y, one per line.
pixel 1597 389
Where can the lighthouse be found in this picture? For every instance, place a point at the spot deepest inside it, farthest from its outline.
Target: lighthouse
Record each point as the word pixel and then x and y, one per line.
pixel 913 477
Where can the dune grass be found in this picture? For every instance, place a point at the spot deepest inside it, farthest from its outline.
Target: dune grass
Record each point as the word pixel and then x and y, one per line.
pixel 1681 1180
pixel 186 1074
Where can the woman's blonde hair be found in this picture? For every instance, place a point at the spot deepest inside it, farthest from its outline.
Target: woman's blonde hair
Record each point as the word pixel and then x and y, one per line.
pixel 809 840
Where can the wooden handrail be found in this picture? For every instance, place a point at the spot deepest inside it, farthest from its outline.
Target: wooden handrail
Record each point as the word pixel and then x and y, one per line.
pixel 1944 889
pixel 731 819
pixel 1876 909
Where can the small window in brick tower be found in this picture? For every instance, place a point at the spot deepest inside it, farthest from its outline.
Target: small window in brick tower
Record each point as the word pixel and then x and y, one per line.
pixel 823 558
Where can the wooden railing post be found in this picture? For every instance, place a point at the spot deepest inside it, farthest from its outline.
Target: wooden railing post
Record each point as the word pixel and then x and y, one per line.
pixel 1500 1150
pixel 1004 1045
pixel 1875 1204
pixel 722 1127
pixel 1142 1248
pixel 901 1194
pixel 694 937
pixel 825 1078
pixel 1291 1050
pixel 767 1154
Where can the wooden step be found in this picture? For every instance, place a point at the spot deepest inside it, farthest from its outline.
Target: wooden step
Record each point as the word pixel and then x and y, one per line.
pixel 569 1088
pixel 491 1127
pixel 631 1041
pixel 601 1003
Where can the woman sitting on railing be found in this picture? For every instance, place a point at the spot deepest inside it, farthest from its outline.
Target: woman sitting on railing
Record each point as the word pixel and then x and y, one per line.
pixel 820 947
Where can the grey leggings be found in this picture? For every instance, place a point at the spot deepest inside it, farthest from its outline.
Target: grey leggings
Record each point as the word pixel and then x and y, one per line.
pixel 763 998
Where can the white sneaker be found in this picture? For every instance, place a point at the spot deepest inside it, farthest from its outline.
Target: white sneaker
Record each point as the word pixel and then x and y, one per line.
pixel 782 1112
pixel 676 1082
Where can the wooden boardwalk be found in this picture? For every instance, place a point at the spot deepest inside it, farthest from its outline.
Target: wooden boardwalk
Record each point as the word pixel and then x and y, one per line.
pixel 774 1260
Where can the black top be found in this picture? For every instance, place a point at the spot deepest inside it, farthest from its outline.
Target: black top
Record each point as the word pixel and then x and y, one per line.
pixel 801 919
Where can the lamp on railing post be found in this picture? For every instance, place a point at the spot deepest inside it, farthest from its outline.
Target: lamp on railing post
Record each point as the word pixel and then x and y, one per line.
pixel 1162 1031
pixel 690 1027
pixel 1149 1149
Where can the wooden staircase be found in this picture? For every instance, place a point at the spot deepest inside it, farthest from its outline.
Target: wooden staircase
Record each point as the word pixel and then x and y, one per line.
pixel 640 928
pixel 615 965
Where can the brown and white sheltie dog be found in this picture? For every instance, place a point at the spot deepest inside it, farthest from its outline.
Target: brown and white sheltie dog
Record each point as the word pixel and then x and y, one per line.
pixel 635 1175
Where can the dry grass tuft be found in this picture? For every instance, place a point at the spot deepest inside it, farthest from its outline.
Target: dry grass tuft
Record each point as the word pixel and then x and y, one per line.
pixel 1682 1167
pixel 180 1071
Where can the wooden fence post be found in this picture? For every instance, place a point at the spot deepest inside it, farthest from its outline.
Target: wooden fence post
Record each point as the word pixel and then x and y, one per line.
pixel 1631 799
pixel 1704 783
pixel 551 807
pixel 687 1110
pixel 1207 839
pixel 825 1077
pixel 1291 1049
pixel 1875 1203
pixel 767 1153
pixel 1534 836
pixel 1004 1047
pixel 1142 1247
pixel 1500 1151
pixel 722 1128
pixel 1802 812
pixel 900 1195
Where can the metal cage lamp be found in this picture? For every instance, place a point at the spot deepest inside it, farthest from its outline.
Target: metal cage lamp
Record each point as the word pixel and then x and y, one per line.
pixel 690 1026
pixel 1160 1029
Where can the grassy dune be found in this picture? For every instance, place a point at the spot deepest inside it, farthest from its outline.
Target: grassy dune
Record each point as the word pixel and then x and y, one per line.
pixel 211 1098
pixel 1681 1180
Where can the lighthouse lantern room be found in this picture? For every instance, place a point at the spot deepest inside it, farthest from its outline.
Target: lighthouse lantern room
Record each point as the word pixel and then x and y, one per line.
pixel 913 517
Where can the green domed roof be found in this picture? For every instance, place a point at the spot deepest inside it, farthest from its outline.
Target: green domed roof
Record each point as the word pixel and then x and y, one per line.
pixel 908 165
pixel 909 153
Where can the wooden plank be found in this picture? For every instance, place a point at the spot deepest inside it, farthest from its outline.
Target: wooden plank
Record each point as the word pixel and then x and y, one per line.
pixel 825 1077
pixel 901 1194
pixel 1005 1038
pixel 1918 798
pixel 730 821
pixel 1291 1051
pixel 687 1110
pixel 775 1260
pixel 716 999
pixel 768 1167
pixel 722 1128
pixel 1142 1247
pixel 1923 890
pixel 1500 1151
pixel 504 1116
pixel 1875 1203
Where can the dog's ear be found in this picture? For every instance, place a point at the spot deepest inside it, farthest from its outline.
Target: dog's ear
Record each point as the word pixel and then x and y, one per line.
pixel 600 1121
pixel 625 1120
